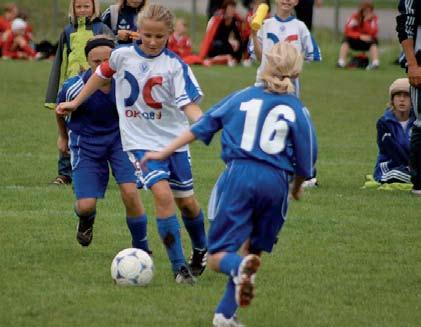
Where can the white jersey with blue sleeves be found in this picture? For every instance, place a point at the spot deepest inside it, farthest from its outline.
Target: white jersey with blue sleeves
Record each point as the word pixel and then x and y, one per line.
pixel 266 127
pixel 292 30
pixel 150 95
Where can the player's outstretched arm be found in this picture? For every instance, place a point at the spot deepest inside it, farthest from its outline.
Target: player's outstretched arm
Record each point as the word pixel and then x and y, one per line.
pixel 193 112
pixel 94 83
pixel 183 139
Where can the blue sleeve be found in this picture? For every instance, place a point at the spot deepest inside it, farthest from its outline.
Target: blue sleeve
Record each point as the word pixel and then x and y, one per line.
pixel 211 121
pixel 388 145
pixel 106 17
pixel 305 144
pixel 71 88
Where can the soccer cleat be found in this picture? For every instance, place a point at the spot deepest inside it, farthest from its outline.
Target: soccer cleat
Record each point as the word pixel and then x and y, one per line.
pixel 85 231
pixel 197 261
pixel 184 276
pixel 310 183
pixel 219 320
pixel 244 281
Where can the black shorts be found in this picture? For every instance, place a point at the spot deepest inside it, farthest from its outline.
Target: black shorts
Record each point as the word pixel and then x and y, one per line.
pixel 359 45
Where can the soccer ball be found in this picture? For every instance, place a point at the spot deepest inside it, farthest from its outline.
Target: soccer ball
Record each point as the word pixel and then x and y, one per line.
pixel 132 267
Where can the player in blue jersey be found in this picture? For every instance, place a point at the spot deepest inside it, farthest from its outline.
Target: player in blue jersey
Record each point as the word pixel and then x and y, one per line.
pixel 266 142
pixel 94 143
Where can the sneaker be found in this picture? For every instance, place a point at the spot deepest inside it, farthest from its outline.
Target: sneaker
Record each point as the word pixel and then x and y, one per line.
pixel 310 183
pixel 372 67
pixel 244 281
pixel 416 192
pixel 184 276
pixel 197 261
pixel 220 321
pixel 85 231
pixel 338 65
pixel 61 180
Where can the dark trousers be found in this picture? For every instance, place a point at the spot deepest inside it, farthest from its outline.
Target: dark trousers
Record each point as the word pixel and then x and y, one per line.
pixel 415 148
pixel 64 165
pixel 304 12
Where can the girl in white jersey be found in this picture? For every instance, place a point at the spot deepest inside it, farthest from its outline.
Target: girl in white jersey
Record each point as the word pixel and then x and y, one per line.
pixel 283 27
pixel 155 94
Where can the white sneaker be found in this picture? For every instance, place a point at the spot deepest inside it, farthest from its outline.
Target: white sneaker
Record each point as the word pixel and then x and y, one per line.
pixel 220 321
pixel 310 183
pixel 244 281
pixel 416 192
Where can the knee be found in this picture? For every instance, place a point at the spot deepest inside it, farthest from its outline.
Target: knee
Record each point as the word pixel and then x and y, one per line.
pixel 189 207
pixel 213 262
pixel 85 207
pixel 129 195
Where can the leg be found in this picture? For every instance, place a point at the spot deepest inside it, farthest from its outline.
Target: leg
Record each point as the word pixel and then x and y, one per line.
pixel 136 218
pixel 374 55
pixel 343 53
pixel 194 223
pixel 85 209
pixel 64 170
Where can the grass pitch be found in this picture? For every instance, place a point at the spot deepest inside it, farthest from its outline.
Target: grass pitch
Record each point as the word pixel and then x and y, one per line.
pixel 346 256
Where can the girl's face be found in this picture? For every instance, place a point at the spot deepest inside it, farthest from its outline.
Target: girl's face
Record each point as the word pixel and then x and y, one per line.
pixel 154 36
pixel 84 8
pixel 135 3
pixel 402 102
pixel 230 11
pixel 286 6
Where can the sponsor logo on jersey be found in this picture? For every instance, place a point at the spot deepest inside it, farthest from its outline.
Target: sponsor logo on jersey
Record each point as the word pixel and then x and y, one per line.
pixel 144 67
pixel 153 115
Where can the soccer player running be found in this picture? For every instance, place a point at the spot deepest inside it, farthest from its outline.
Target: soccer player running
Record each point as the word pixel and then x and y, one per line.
pixel 266 141
pixel 94 142
pixel 155 94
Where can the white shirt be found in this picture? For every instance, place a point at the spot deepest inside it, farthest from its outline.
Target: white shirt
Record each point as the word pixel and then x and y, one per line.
pixel 150 94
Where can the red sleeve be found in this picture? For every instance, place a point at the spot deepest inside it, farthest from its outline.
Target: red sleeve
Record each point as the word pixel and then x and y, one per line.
pixel 104 70
pixel 7 50
pixel 373 27
pixel 352 28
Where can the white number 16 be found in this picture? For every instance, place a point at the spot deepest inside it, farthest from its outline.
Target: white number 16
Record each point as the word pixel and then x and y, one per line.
pixel 274 129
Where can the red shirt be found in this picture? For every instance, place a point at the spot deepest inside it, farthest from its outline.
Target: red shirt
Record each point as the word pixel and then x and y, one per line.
pixel 11 50
pixel 354 29
pixel 180 45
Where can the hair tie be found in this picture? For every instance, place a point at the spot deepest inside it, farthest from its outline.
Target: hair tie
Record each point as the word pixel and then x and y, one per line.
pixel 100 42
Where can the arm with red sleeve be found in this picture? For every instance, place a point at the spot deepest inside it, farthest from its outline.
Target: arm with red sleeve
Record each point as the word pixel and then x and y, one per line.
pixel 352 28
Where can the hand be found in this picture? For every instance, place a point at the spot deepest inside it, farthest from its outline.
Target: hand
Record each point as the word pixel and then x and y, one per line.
pixel 414 75
pixel 123 35
pixel 235 44
pixel 63 144
pixel 151 156
pixel 65 108
pixel 134 35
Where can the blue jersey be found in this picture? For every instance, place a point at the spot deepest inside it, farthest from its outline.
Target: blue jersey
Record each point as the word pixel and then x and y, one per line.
pixel 126 20
pixel 266 127
pixel 97 115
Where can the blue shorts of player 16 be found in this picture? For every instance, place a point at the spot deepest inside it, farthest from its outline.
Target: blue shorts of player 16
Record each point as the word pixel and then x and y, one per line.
pixel 250 200
pixel 176 169
pixel 90 157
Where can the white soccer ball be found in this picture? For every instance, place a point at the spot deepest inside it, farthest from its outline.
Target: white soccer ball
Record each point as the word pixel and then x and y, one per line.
pixel 132 267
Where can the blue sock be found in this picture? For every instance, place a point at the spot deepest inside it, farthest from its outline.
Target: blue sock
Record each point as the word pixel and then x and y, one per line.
pixel 138 229
pixel 230 263
pixel 169 231
pixel 196 229
pixel 227 306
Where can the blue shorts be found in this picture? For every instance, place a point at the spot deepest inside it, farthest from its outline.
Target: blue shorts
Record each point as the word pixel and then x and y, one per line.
pixel 90 157
pixel 176 169
pixel 250 201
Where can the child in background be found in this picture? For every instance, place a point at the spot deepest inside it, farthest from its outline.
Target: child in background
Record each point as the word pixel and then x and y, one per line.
pixel 179 41
pixel 393 136
pixel 266 140
pixel 70 60
pixel 121 19
pixel 155 94
pixel 17 42
pixel 361 35
pixel 284 27
pixel 10 12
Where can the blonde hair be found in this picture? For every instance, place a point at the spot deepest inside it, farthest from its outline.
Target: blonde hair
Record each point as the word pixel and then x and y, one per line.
pixel 157 13
pixel 123 3
pixel 284 63
pixel 72 15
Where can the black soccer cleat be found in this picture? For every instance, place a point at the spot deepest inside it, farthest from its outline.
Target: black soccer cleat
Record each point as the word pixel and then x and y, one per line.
pixel 85 231
pixel 184 276
pixel 198 261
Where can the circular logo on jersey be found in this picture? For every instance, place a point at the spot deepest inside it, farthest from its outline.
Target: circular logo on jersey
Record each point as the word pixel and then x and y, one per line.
pixel 144 67
pixel 282 28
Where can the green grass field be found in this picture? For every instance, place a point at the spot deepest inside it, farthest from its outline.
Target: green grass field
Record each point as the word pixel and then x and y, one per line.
pixel 346 256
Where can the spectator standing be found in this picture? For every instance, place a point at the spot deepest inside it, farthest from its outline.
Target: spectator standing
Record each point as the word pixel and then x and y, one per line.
pixel 10 12
pixel 304 11
pixel 121 19
pixel 361 34
pixel 70 60
pixel 393 136
pixel 408 25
